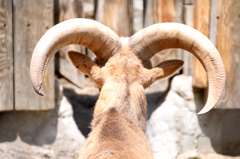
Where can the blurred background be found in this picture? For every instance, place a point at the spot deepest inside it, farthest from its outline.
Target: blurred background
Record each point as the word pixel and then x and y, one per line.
pixel 56 125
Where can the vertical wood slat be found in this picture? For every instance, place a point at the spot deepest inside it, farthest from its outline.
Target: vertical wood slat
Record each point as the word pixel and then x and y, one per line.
pixel 88 13
pixel 201 23
pixel 188 18
pixel 68 10
pixel 31 20
pixel 117 15
pixel 214 16
pixel 6 56
pixel 159 11
pixel 228 45
pixel 137 15
pixel 88 9
pixel 188 1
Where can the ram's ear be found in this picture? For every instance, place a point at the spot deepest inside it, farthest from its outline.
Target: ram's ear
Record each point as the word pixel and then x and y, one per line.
pixel 169 67
pixel 162 70
pixel 82 62
pixel 85 64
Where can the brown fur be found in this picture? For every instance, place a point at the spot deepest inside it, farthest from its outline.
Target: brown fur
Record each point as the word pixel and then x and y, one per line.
pixel 119 119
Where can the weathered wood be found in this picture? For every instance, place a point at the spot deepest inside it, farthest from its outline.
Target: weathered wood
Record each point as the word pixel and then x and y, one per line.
pixel 137 15
pixel 68 10
pixel 159 11
pixel 117 15
pixel 201 23
pixel 31 20
pixel 214 16
pixel 189 2
pixel 178 11
pixel 88 9
pixel 88 12
pixel 6 56
pixel 188 18
pixel 228 44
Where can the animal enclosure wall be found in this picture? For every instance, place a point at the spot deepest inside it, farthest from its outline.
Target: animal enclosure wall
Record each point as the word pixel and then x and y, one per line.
pixel 24 22
pixel 6 56
pixel 31 20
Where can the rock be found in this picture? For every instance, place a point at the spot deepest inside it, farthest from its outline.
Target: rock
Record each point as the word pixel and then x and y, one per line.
pixel 162 133
pixel 69 139
pixel 204 144
pixel 174 130
pixel 21 150
pixel 170 128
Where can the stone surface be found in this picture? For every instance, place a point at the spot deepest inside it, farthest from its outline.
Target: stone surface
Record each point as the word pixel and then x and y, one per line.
pixel 174 130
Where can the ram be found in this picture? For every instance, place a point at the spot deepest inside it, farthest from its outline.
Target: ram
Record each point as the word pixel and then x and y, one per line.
pixel 122 70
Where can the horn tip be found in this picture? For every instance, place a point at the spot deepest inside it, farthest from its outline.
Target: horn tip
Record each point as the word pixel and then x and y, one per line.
pixel 204 110
pixel 201 112
pixel 39 91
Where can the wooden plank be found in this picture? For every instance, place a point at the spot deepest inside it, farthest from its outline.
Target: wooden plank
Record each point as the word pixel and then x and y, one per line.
pixel 31 20
pixel 88 13
pixel 117 15
pixel 214 16
pixel 189 2
pixel 6 56
pixel 178 11
pixel 188 18
pixel 201 23
pixel 159 11
pixel 88 9
pixel 68 10
pixel 228 44
pixel 137 15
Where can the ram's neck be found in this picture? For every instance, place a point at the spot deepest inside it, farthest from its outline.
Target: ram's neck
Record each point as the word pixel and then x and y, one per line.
pixel 118 125
pixel 128 100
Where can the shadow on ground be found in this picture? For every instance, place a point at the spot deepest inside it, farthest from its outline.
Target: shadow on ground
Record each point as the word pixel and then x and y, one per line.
pixel 221 126
pixel 82 109
pixel 33 127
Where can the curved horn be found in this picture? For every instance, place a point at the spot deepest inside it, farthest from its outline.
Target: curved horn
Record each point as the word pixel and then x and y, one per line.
pixel 91 34
pixel 155 38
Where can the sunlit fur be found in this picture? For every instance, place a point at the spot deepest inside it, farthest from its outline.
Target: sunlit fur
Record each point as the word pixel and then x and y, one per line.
pixel 119 119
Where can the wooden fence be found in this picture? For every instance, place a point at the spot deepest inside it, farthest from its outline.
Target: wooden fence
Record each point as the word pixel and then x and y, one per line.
pixel 23 22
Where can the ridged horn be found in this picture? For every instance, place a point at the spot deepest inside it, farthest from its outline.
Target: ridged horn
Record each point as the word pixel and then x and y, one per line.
pixel 91 34
pixel 149 41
